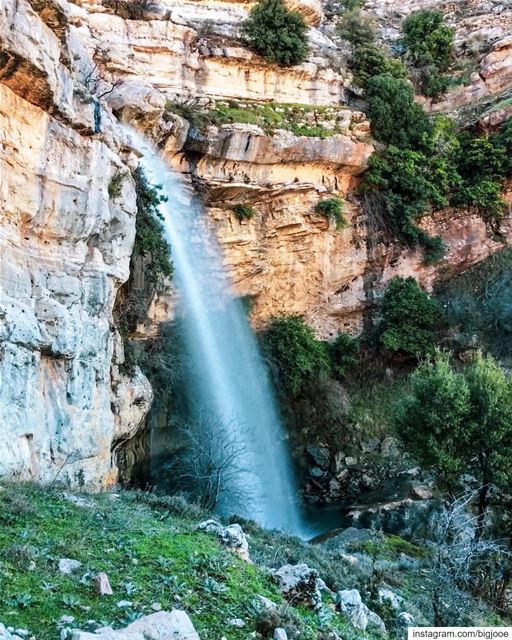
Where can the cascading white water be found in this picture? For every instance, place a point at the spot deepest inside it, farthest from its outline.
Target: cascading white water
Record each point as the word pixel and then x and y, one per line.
pixel 229 381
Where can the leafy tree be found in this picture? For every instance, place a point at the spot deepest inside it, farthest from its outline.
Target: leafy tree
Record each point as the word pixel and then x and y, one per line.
pixel 458 423
pixel 409 317
pixel 427 39
pixel 396 118
pixel 368 60
pixel 489 428
pixel 431 419
pixel 276 33
pixel 432 83
pixel 300 358
pixel 482 165
pixel 357 28
pixel 343 351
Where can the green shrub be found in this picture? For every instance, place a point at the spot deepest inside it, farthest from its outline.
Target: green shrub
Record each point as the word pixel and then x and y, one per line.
pixel 149 232
pixel 396 118
pixel 299 357
pixel 332 208
pixel 276 33
pixel 356 28
pixel 482 164
pixel 368 60
pixel 244 212
pixel 427 39
pixel 115 186
pixel 407 184
pixel 458 423
pixel 433 84
pixel 350 5
pixel 343 351
pixel 409 318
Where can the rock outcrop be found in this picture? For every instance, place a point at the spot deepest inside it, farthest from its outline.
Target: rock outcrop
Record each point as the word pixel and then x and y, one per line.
pixel 163 625
pixel 66 246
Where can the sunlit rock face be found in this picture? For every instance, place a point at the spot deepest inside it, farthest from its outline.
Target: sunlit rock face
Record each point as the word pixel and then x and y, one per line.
pixel 65 248
pixel 67 70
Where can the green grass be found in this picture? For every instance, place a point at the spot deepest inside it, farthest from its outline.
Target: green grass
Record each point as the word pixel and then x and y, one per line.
pixel 149 557
pixel 390 547
pixel 152 553
pixel 268 116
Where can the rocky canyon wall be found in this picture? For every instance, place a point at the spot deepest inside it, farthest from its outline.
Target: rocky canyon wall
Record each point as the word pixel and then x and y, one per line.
pixel 67 71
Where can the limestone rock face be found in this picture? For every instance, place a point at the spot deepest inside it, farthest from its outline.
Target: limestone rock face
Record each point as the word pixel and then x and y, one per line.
pixel 350 603
pixel 65 249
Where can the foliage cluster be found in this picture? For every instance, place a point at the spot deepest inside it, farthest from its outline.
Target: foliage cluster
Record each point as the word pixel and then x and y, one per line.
pixel 428 42
pixel 244 212
pixel 300 119
pixel 277 33
pixel 427 165
pixel 150 241
pixel 332 208
pixel 301 359
pixel 357 28
pixel 460 422
pixel 409 318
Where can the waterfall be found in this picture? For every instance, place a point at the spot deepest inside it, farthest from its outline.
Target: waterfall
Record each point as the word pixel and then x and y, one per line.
pixel 228 381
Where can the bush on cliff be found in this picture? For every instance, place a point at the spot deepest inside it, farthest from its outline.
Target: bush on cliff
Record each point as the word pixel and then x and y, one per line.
pixel 149 233
pixel 332 208
pixel 409 318
pixel 368 60
pixel 277 33
pixel 357 28
pixel 297 355
pixel 427 39
pixel 343 351
pixel 429 45
pixel 396 118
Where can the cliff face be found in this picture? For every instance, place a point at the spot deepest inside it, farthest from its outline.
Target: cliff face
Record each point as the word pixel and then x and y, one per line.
pixel 65 69
pixel 65 251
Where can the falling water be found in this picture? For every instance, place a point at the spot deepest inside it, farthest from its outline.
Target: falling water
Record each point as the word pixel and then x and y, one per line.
pixel 229 383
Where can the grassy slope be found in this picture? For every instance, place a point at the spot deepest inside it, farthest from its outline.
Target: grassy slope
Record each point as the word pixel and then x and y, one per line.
pixel 149 555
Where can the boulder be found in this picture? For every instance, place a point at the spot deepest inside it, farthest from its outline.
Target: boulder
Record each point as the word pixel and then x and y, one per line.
pixel 102 585
pixel 164 625
pixel 358 614
pixel 405 619
pixel 386 596
pixel 232 536
pixel 137 102
pixel 299 583
pixel 67 566
pixel 320 455
pixel 280 634
pixel 238 623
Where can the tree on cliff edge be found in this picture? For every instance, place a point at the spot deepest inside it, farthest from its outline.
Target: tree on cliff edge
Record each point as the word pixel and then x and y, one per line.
pixel 276 33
